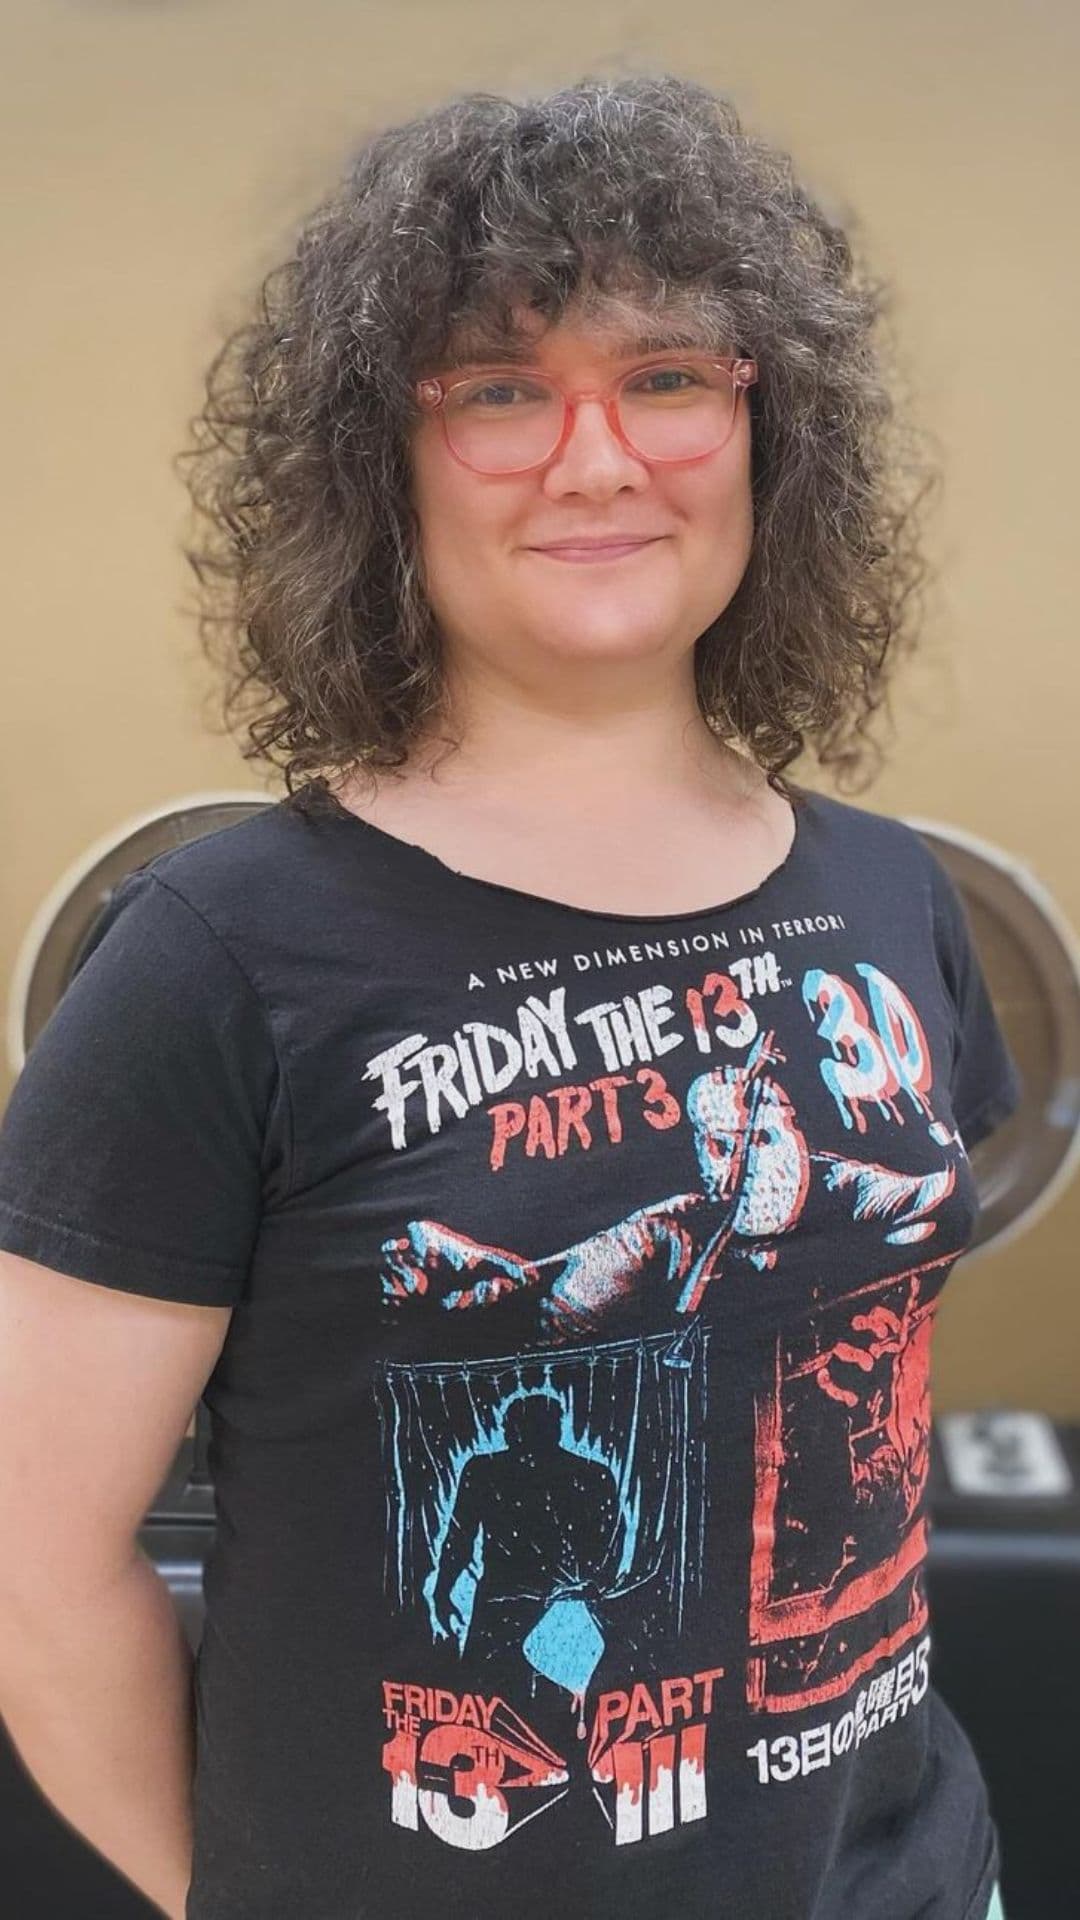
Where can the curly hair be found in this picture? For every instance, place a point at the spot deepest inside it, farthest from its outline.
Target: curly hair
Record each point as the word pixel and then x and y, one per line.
pixel 641 191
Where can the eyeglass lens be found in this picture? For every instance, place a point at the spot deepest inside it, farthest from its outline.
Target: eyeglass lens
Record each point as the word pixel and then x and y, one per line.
pixel 672 410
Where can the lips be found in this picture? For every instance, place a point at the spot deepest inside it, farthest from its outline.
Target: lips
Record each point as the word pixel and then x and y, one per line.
pixel 595 549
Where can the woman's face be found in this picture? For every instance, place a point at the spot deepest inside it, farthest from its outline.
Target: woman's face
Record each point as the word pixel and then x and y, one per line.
pixel 507 608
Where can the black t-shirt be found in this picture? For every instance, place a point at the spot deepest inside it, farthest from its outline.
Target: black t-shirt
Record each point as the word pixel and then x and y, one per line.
pixel 570 1434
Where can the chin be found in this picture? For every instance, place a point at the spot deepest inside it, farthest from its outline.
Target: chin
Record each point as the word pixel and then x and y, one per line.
pixel 583 619
pixel 583 639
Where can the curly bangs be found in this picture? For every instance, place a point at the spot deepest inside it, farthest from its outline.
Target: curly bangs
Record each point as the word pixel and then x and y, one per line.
pixel 598 201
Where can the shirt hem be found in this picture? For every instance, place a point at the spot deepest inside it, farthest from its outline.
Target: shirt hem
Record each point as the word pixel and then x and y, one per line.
pixel 110 1263
pixel 978 1907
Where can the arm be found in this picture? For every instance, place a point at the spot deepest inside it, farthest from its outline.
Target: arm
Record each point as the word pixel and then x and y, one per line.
pixel 97 1387
pixel 96 1696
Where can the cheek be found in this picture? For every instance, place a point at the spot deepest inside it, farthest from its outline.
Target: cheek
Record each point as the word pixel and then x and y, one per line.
pixel 462 521
pixel 722 507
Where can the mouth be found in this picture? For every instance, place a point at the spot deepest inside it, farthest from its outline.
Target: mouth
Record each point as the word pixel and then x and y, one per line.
pixel 594 550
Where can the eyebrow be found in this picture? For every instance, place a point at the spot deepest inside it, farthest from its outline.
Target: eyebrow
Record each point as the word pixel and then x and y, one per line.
pixel 470 352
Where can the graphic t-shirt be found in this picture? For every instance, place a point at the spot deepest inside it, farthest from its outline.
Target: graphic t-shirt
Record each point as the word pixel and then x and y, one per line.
pixel 570 1434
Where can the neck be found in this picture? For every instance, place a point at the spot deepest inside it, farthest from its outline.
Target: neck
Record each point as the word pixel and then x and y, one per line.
pixel 509 749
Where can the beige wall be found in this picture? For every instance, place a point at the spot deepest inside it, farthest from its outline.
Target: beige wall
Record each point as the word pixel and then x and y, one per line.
pixel 159 152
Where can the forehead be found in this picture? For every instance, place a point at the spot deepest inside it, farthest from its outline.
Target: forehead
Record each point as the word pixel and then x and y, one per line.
pixel 625 334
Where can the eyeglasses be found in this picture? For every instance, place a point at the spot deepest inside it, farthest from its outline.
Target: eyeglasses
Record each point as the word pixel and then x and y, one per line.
pixel 509 421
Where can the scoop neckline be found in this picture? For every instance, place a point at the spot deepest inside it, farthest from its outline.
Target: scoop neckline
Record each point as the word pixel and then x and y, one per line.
pixel 426 862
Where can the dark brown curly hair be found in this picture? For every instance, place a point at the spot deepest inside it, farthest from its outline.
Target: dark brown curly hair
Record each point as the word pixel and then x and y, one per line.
pixel 644 190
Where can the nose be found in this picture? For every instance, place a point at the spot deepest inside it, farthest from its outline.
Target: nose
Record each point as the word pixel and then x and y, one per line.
pixel 593 459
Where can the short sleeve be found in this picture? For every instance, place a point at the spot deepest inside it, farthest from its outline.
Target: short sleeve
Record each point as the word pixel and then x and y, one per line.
pixel 147 1126
pixel 986 1082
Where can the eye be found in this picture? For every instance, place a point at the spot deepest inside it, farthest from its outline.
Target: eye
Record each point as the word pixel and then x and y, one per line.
pixel 498 395
pixel 667 376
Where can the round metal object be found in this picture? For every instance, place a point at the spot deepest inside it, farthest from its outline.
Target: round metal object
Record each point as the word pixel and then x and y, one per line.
pixel 54 940
pixel 1030 956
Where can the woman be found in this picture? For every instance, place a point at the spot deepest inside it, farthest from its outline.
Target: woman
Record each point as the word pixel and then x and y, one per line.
pixel 564 1112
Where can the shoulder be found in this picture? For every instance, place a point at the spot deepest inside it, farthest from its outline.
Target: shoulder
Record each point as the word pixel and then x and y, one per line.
pixel 223 874
pixel 861 833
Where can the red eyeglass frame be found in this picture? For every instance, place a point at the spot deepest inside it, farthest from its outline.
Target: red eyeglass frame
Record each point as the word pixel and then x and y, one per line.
pixel 432 394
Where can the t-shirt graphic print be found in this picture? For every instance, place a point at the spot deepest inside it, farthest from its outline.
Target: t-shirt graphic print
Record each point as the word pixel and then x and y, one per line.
pixel 548 1504
pixel 572 1431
